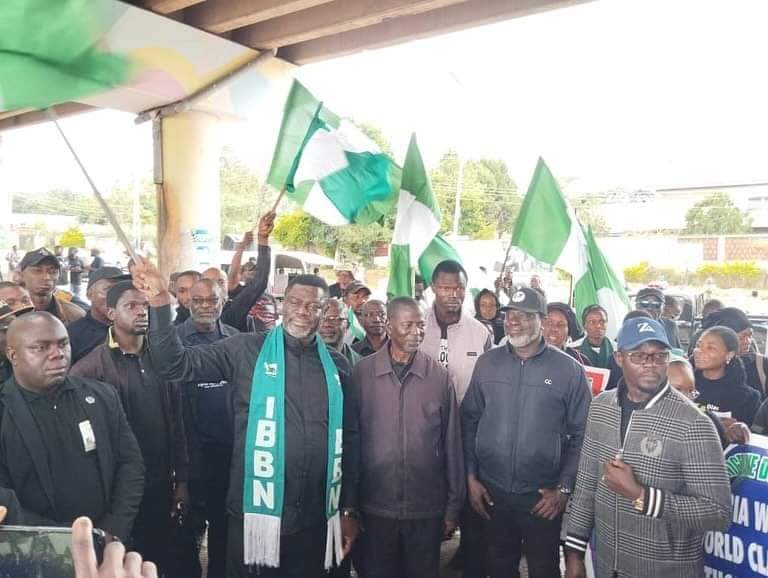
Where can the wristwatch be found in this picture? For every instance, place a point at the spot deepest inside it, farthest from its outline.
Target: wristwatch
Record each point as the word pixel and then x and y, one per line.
pixel 565 490
pixel 639 503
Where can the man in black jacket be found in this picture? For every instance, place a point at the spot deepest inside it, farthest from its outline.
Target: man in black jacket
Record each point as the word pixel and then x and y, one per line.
pixel 303 519
pixel 153 407
pixel 523 422
pixel 66 449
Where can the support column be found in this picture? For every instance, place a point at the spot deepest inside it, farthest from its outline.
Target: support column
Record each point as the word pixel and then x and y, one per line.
pixel 187 175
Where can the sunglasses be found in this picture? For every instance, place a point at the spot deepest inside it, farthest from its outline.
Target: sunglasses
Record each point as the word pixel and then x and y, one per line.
pixel 649 304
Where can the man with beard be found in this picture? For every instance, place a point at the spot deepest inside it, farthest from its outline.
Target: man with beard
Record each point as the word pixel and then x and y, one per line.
pixel 411 484
pixel 91 331
pixel 374 318
pixel 652 478
pixel 455 339
pixel 290 421
pixel 208 423
pixel 523 423
pixel 153 408
pixel 39 272
pixel 333 325
pixel 66 449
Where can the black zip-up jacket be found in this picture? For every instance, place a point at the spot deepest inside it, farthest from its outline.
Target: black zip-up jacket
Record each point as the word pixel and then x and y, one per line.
pixel 306 413
pixel 26 481
pixel 523 420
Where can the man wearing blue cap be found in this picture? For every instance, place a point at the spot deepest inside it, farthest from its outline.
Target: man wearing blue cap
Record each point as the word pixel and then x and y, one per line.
pixel 652 478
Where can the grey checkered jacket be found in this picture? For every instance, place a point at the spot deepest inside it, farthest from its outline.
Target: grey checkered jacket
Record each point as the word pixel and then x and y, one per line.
pixel 675 452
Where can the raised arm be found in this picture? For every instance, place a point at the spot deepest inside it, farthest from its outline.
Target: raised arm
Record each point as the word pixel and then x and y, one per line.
pixel 233 277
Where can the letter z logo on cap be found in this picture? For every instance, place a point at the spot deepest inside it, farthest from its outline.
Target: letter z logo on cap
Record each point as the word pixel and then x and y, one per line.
pixel 645 328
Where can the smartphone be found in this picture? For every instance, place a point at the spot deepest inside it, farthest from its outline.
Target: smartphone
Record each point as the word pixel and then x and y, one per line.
pixel 41 551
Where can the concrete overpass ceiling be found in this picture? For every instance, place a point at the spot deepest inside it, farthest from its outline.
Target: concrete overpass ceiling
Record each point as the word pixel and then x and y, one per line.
pixel 305 31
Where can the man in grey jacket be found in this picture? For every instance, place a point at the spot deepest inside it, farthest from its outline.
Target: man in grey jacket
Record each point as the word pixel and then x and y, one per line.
pixel 412 481
pixel 523 422
pixel 652 477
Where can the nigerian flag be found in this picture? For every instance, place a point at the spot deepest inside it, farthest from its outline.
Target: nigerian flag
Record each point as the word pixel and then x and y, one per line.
pixel 415 241
pixel 601 285
pixel 328 166
pixel 548 230
pixel 49 54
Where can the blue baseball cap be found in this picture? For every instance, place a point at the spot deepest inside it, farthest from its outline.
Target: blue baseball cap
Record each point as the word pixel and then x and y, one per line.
pixel 639 330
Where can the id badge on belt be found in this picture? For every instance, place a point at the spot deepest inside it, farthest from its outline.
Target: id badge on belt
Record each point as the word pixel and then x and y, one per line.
pixel 89 438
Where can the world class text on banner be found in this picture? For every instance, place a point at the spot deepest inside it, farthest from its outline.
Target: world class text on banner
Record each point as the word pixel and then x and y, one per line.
pixel 742 551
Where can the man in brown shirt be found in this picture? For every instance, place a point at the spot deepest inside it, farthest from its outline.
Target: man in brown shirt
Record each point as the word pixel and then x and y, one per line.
pixel 411 484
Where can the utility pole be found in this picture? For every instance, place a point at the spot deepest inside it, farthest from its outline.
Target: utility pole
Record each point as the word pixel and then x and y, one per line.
pixel 459 190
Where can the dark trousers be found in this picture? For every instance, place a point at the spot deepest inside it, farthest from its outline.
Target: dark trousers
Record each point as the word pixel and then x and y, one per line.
pixel 302 555
pixel 513 531
pixel 473 543
pixel 153 530
pixel 212 494
pixel 408 548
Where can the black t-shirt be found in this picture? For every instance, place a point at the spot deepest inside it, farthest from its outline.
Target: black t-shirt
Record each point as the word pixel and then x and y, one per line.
pixel 72 459
pixel 75 270
pixel 627 407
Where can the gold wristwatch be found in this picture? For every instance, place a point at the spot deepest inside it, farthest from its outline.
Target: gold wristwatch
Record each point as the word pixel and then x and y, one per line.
pixel 639 503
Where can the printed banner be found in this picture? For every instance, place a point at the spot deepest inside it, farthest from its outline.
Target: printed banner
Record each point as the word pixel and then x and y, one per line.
pixel 597 378
pixel 742 551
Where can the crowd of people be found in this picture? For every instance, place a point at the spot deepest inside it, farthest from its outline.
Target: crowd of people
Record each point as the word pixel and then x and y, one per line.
pixel 350 432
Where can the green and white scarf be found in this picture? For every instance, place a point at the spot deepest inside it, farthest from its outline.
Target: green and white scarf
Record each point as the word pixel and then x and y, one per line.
pixel 597 359
pixel 265 455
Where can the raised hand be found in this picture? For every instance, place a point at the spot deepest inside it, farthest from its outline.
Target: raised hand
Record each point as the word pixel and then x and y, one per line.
pixel 266 225
pixel 148 279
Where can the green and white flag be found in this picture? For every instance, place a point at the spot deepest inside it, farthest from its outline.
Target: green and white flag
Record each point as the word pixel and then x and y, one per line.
pixel 548 230
pixel 601 285
pixel 415 241
pixel 49 54
pixel 329 167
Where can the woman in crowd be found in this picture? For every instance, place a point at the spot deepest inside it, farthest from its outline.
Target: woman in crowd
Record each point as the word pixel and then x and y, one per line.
pixel 488 312
pixel 681 376
pixel 596 346
pixel 560 327
pixel 720 376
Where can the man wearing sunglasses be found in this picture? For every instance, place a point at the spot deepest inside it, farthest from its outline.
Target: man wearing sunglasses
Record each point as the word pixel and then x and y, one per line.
pixel 651 479
pixel 651 300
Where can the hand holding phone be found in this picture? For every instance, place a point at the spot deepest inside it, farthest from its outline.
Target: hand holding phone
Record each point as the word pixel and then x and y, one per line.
pixel 116 564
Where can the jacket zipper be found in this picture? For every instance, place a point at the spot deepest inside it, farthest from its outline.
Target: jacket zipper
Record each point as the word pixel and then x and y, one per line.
pixel 521 400
pixel 402 447
pixel 619 454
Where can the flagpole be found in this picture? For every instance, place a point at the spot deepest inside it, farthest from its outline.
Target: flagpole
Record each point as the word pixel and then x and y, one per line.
pixel 279 198
pixel 122 237
pixel 504 265
pixel 570 290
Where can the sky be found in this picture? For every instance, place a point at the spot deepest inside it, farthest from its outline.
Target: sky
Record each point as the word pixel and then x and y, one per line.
pixel 612 94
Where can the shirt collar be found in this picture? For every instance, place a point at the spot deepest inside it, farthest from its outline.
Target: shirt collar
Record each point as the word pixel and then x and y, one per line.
pixel 622 386
pixel 383 363
pixel 113 345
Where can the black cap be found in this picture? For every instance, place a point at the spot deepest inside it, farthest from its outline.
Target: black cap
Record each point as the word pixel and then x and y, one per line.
pixel 106 273
pixel 116 291
pixel 730 317
pixel 33 258
pixel 527 300
pixel 652 292
pixel 356 286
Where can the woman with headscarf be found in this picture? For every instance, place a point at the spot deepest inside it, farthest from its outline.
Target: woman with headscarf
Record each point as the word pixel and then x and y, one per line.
pixel 720 376
pixel 488 312
pixel 561 327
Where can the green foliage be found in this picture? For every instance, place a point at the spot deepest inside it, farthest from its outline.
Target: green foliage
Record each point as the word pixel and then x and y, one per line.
pixel 587 212
pixel 716 215
pixel 489 200
pixel 742 274
pixel 72 237
pixel 243 197
pixel 374 133
pixel 733 274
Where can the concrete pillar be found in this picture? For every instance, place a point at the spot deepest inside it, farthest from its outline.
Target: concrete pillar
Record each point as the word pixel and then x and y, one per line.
pixel 188 191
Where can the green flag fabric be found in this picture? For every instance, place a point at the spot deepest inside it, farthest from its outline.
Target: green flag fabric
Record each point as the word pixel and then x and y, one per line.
pixel 49 54
pixel 329 167
pixel 600 285
pixel 548 230
pixel 415 240
pixel 264 468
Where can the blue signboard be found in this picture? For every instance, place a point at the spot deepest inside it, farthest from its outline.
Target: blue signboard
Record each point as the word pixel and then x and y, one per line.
pixel 742 551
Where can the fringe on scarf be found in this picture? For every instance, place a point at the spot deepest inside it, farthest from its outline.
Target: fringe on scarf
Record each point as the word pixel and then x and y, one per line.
pixel 261 540
pixel 333 543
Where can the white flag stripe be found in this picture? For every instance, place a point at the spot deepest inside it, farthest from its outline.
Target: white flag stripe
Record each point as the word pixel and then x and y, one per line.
pixel 322 156
pixel 416 225
pixel 319 206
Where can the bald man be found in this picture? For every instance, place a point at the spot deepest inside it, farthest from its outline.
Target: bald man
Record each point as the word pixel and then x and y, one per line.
pixel 66 449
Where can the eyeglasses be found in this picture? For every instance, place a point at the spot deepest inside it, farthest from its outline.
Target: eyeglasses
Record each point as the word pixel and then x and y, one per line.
pixel 312 307
pixel 333 319
pixel 513 315
pixel 641 358
pixel 212 301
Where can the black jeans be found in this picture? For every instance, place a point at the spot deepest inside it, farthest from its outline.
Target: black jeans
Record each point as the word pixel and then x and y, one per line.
pixel 513 531
pixel 153 531
pixel 212 491
pixel 408 548
pixel 302 555
pixel 475 558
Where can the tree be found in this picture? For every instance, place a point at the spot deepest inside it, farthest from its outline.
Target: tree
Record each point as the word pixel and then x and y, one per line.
pixel 588 214
pixel 716 215
pixel 489 199
pixel 243 197
pixel 377 135
pixel 72 237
